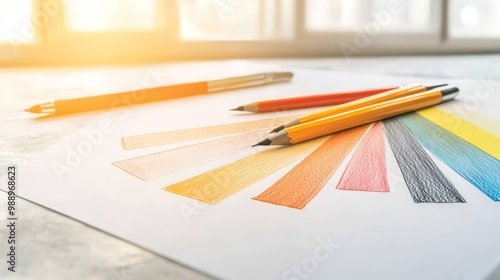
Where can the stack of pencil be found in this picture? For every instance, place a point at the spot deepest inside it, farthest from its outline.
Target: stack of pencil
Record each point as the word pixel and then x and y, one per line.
pixel 365 107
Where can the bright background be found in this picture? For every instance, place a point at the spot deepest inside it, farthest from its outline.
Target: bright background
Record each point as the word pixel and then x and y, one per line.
pixel 112 31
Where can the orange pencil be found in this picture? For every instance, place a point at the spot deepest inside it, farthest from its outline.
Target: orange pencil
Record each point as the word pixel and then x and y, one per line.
pixel 110 101
pixel 309 100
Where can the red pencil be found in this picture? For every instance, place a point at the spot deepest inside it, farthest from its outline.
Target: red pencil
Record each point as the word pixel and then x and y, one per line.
pixel 309 100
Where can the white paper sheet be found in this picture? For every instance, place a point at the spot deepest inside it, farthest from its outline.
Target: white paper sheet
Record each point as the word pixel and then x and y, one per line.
pixel 339 235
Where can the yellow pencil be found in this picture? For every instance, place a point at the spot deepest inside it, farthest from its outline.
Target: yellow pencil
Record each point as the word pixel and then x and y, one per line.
pixel 363 102
pixel 360 116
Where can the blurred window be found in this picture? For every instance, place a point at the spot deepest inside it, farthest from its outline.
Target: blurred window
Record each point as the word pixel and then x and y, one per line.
pixel 114 31
pixel 349 15
pixel 109 15
pixel 474 19
pixel 236 19
pixel 16 21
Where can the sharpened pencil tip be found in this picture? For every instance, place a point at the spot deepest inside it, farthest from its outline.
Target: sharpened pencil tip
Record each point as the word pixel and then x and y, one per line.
pixel 265 142
pixel 434 85
pixel 238 109
pixel 34 109
pixel 278 129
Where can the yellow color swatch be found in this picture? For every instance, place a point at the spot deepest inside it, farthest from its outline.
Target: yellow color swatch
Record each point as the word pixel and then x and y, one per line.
pixel 474 117
pixel 473 134
pixel 220 183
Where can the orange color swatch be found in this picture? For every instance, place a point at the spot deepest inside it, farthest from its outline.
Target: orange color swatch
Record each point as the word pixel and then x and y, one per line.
pixel 304 181
pixel 367 170
pixel 220 183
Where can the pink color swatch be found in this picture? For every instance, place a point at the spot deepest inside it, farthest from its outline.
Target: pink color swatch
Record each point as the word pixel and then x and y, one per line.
pixel 367 169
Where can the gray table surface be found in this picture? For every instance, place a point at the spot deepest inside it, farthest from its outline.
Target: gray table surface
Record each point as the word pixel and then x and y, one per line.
pixel 54 246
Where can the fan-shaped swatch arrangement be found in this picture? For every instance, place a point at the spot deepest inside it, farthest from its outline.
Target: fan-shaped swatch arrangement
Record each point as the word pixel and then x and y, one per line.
pixel 470 149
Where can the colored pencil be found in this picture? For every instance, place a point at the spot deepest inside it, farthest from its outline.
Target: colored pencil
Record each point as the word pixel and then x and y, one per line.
pixel 360 103
pixel 360 116
pixel 308 101
pixel 110 101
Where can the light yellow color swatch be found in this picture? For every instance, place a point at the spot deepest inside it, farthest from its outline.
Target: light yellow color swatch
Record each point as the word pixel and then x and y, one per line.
pixel 197 133
pixel 220 183
pixel 474 117
pixel 473 134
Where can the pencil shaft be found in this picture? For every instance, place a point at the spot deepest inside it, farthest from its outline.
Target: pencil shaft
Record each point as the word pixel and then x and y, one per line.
pixel 70 106
pixel 375 112
pixel 109 101
pixel 316 100
pixel 376 98
pixel 360 103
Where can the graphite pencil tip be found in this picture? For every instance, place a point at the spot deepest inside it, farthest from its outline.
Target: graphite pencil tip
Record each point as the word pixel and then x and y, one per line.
pixel 431 86
pixel 238 109
pixel 278 129
pixel 265 142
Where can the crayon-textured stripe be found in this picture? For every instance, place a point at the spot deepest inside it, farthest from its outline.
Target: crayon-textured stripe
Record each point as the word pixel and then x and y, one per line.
pixel 425 181
pixel 153 166
pixel 473 134
pixel 476 166
pixel 198 133
pixel 299 186
pixel 220 183
pixel 484 121
pixel 367 170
